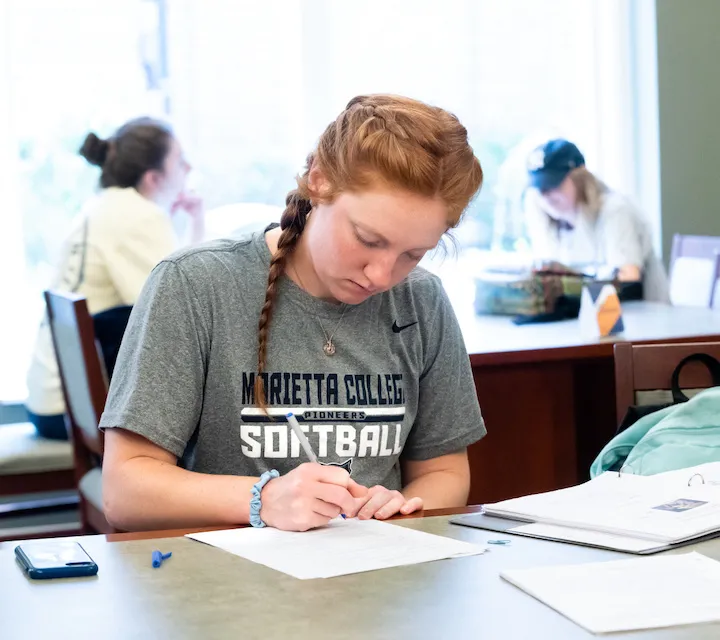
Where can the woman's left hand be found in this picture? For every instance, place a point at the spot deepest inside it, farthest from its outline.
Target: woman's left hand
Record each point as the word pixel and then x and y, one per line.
pixel 381 503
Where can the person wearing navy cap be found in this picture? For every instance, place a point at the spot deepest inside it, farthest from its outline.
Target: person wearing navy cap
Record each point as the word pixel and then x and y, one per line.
pixel 576 219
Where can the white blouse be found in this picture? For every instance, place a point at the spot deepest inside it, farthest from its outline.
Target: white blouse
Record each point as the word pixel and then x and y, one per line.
pixel 618 236
pixel 107 257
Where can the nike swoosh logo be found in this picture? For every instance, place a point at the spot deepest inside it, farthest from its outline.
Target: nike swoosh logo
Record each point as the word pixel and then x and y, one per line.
pixel 398 329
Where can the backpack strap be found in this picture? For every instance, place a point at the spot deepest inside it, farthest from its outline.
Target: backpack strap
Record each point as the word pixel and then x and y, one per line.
pixel 83 256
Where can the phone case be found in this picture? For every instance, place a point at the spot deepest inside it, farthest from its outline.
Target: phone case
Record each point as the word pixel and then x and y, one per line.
pixel 45 560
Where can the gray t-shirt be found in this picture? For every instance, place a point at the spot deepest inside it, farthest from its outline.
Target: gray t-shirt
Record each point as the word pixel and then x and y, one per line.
pixel 399 384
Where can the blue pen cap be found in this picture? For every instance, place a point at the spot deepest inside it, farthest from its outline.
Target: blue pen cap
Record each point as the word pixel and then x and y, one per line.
pixel 158 557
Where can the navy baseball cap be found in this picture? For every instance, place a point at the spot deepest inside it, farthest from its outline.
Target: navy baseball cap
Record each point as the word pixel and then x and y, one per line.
pixel 549 164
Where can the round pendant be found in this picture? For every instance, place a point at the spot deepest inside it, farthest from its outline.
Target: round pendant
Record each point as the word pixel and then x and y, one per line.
pixel 329 348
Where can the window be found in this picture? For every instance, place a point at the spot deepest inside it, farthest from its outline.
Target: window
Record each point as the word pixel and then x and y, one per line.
pixel 250 86
pixel 514 71
pixel 69 68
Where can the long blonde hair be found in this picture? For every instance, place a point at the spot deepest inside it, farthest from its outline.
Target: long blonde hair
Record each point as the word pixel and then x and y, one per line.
pixel 398 141
pixel 590 190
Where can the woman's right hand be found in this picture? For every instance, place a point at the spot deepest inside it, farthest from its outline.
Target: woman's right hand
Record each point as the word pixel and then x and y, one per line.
pixel 309 496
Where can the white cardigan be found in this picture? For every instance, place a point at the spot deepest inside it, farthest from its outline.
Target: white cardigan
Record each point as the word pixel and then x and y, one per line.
pixel 107 257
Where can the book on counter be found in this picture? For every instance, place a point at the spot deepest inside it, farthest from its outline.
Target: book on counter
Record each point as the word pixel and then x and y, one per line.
pixel 616 510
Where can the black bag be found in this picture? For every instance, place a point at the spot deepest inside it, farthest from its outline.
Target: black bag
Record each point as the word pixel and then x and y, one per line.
pixel 109 328
pixel 634 413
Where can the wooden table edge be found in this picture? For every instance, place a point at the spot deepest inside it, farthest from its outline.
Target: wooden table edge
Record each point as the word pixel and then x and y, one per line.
pixel 178 533
pixel 601 349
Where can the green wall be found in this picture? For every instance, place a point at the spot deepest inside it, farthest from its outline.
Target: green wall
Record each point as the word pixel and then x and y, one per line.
pixel 688 50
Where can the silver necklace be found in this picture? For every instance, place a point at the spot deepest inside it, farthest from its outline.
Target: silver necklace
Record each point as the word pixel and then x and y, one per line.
pixel 329 346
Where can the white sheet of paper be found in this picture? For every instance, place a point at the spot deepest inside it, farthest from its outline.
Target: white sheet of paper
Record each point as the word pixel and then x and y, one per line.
pixel 707 473
pixel 627 595
pixel 585 536
pixel 343 547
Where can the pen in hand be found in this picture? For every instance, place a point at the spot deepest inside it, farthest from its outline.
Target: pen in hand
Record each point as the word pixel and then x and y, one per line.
pixel 304 442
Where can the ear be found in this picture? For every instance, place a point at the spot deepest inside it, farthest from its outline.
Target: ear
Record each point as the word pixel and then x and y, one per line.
pixel 150 180
pixel 318 184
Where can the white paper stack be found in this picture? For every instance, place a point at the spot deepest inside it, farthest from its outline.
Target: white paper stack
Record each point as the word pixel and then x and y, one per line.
pixel 628 595
pixel 664 509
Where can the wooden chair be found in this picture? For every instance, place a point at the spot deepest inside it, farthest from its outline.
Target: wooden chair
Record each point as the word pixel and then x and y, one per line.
pixel 643 372
pixel 694 270
pixel 30 464
pixel 36 480
pixel 85 387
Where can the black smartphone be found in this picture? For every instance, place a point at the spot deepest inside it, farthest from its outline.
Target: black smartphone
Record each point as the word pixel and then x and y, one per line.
pixel 54 559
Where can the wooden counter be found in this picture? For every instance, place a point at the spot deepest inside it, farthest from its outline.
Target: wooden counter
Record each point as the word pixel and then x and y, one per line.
pixel 548 393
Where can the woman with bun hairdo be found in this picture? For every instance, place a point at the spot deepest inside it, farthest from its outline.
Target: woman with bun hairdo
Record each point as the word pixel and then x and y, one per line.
pixel 122 234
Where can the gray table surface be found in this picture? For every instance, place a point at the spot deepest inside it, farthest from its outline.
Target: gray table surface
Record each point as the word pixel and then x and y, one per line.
pixel 202 592
pixel 644 321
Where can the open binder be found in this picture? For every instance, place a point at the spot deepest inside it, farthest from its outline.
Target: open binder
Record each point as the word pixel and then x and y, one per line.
pixel 616 511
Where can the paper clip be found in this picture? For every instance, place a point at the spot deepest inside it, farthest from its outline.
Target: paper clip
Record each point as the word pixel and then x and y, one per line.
pixel 500 542
pixel 158 557
pixel 696 475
